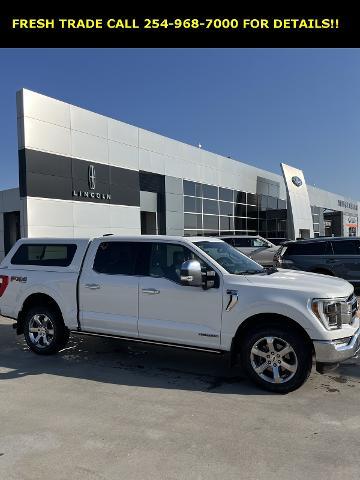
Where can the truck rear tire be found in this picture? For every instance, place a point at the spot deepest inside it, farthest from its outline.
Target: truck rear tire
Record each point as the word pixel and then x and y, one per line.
pixel 44 330
pixel 276 357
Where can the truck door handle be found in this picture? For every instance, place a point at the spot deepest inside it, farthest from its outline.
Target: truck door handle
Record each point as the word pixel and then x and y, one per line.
pixel 331 261
pixel 150 291
pixel 92 286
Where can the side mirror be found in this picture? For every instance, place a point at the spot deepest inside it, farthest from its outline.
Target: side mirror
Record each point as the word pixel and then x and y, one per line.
pixel 191 273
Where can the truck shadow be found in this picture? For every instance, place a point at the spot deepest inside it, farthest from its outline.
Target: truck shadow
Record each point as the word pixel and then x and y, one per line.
pixel 347 371
pixel 125 363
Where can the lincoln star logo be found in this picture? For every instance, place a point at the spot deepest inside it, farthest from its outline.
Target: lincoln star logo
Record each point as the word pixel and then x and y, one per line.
pixel 297 181
pixel 92 185
pixel 92 177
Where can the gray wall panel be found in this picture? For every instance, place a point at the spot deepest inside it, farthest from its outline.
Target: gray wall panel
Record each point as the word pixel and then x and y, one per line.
pixel 174 202
pixel 113 184
pixel 173 185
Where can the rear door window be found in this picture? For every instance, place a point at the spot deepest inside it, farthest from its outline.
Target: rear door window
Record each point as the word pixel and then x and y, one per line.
pixel 122 258
pixel 47 255
pixel 230 241
pixel 346 247
pixel 315 248
pixel 242 242
pixel 258 242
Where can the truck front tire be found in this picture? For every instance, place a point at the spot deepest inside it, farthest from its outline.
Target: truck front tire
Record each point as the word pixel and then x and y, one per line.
pixel 276 357
pixel 44 330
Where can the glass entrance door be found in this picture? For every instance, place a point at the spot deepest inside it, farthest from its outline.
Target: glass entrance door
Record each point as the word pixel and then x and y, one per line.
pixel 11 229
pixel 149 224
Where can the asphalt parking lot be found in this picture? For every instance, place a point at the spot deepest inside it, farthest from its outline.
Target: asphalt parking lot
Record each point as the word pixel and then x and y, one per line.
pixel 104 409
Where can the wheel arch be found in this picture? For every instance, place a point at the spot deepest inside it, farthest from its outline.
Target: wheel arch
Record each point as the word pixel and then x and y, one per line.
pixel 31 301
pixel 263 319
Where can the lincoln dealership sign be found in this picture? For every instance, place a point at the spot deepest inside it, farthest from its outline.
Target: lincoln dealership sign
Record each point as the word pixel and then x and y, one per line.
pixel 85 194
pixel 92 177
pixel 92 186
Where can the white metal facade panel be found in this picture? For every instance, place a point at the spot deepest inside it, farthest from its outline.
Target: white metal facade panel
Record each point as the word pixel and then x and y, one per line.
pixel 148 202
pixel 54 126
pixel 40 135
pixel 298 200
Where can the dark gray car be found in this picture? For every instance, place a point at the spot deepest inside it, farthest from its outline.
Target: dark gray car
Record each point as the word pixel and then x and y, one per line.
pixel 336 256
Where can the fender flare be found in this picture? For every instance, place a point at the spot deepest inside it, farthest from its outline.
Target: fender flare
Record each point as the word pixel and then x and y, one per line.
pixel 40 289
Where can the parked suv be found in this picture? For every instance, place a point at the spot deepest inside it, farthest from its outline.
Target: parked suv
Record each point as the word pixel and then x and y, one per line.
pixel 336 256
pixel 255 247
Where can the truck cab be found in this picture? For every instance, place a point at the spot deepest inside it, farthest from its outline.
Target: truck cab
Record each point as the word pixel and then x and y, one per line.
pixel 194 292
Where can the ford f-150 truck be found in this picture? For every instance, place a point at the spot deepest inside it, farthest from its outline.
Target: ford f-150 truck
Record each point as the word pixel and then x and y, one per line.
pixel 194 293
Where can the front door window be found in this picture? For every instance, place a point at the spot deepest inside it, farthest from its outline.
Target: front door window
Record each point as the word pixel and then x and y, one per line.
pixel 167 258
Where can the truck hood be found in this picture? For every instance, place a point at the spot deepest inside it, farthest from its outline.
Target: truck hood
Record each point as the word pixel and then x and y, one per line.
pixel 314 284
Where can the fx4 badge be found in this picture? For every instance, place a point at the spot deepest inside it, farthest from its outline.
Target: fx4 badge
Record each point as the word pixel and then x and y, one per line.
pixel 18 279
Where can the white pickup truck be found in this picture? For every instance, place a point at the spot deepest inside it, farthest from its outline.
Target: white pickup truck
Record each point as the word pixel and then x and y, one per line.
pixel 194 293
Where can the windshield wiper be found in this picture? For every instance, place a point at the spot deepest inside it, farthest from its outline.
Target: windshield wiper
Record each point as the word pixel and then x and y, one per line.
pixel 270 270
pixel 252 272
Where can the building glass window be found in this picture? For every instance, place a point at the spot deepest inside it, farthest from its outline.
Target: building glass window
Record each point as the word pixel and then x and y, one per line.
pixel 211 206
pixel 189 204
pixel 211 210
pixel 316 220
pixel 192 204
pixel 226 208
pixel 226 194
pixel 211 222
pixel 189 188
pixel 251 199
pixel 281 204
pixel 227 223
pixel 272 203
pixel 209 191
pixel 192 221
pixel 240 197
pixel 252 211
pixel 240 210
pixel 252 224
pixel 198 190
pixel 240 223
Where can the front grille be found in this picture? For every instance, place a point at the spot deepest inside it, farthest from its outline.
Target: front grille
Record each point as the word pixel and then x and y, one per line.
pixel 354 308
pixel 353 304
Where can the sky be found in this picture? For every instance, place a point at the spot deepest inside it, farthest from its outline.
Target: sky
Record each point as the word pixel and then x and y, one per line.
pixel 259 106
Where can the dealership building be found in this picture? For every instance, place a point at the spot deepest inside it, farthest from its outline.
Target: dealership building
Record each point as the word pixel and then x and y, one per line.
pixel 82 174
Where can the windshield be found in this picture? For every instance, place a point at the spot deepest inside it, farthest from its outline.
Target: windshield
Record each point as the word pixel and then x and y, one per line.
pixel 229 258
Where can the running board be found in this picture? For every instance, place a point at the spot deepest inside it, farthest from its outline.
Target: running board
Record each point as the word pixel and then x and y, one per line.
pixel 152 342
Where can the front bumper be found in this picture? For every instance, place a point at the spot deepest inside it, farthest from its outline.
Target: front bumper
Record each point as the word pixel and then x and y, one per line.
pixel 331 351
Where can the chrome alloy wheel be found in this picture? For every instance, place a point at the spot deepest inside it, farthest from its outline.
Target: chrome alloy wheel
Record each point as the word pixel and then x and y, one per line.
pixel 41 330
pixel 274 360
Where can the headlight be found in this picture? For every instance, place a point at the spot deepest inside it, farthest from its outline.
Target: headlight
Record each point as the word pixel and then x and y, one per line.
pixel 289 263
pixel 331 313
